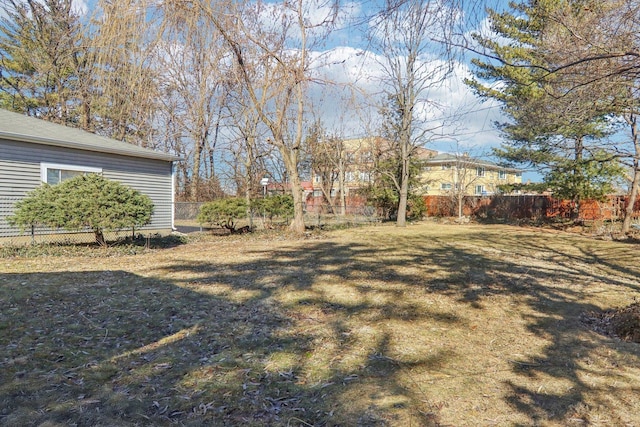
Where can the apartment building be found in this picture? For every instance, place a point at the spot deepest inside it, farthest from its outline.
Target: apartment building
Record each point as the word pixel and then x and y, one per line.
pixel 443 173
pixel 446 173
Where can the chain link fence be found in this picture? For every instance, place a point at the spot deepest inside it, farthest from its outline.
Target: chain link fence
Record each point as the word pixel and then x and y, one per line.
pixel 10 235
pixel 317 215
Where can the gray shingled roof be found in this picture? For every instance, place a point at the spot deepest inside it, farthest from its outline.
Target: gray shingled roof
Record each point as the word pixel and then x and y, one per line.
pixel 18 127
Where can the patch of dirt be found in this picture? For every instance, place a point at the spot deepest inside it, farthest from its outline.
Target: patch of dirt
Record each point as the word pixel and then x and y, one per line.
pixel 622 323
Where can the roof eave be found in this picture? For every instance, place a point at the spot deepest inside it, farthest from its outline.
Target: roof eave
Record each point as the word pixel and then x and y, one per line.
pixel 87 147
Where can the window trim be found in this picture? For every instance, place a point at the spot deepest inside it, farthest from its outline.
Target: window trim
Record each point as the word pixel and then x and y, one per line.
pixel 480 171
pixel 349 176
pixel 481 188
pixel 502 174
pixel 46 166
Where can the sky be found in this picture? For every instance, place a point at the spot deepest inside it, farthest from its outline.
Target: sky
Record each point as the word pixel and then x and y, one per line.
pixel 353 67
pixel 465 122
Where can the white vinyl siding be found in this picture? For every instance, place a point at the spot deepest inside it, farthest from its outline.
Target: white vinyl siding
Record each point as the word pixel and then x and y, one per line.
pixel 20 163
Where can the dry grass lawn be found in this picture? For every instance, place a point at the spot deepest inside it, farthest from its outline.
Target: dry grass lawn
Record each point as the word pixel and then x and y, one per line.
pixel 424 326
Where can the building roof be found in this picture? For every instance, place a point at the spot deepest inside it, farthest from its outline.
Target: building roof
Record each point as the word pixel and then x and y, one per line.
pixel 18 127
pixel 452 158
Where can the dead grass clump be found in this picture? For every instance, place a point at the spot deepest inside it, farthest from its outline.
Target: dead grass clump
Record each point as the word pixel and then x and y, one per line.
pixel 626 323
pixel 623 323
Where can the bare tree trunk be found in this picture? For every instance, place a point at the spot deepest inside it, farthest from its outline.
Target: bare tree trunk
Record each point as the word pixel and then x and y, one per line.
pixel 401 221
pixel 248 184
pixel 635 182
pixel 341 186
pixel 290 158
pixel 577 199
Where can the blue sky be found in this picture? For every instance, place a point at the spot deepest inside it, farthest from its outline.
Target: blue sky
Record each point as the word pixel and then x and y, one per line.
pixel 353 64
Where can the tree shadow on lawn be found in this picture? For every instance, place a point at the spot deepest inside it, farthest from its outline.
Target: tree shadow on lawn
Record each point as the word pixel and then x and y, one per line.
pixel 599 374
pixel 474 277
pixel 115 348
pixel 311 335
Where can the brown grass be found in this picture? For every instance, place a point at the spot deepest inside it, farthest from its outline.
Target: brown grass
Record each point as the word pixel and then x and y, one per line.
pixel 428 325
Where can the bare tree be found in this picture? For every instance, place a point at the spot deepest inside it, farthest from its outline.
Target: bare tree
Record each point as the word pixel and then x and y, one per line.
pixel 329 160
pixel 405 34
pixel 122 80
pixel 247 150
pixel 191 59
pixel 465 174
pixel 281 44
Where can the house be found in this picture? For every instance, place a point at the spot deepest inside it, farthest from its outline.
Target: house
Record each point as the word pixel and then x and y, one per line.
pixel 445 174
pixel 33 151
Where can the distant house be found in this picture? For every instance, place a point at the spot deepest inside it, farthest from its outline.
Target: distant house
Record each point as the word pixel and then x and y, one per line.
pixel 446 173
pixel 34 151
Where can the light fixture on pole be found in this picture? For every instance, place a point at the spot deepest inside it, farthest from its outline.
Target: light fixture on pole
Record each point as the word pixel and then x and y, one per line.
pixel 264 182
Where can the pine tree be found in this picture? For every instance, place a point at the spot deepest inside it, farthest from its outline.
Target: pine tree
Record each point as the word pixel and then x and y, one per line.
pixel 553 124
pixel 42 59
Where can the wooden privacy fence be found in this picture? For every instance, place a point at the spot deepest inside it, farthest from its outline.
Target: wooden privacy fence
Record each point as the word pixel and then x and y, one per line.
pixel 529 207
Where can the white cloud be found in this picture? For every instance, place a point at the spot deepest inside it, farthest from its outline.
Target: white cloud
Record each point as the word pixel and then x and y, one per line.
pixel 463 120
pixel 319 17
pixel 79 7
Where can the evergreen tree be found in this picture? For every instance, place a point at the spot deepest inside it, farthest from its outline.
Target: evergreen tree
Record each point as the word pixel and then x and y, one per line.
pixel 86 201
pixel 553 124
pixel 42 59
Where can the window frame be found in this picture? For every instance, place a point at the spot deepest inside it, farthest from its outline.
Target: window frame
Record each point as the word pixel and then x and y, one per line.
pixel 480 171
pixel 481 188
pixel 365 176
pixel 502 174
pixel 44 167
pixel 446 186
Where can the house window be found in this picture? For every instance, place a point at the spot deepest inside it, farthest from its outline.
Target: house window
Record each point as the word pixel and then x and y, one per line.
pixel 317 179
pixel 333 192
pixel 480 171
pixel 349 176
pixel 317 193
pixel 445 186
pixel 52 173
pixel 446 166
pixel 519 174
pixel 502 174
pixel 479 190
